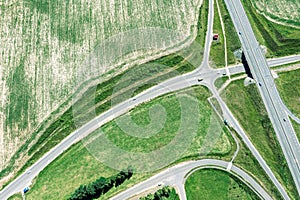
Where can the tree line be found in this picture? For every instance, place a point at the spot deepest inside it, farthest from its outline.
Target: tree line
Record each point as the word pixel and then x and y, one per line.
pixel 101 186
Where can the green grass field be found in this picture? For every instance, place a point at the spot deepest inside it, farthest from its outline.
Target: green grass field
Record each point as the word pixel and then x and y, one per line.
pixel 220 81
pixel 77 166
pixel 279 39
pixel 210 184
pixel 58 125
pixel 288 85
pixel 248 108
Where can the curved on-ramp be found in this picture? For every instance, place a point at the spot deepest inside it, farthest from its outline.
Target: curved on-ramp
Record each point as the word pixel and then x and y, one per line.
pixel 177 175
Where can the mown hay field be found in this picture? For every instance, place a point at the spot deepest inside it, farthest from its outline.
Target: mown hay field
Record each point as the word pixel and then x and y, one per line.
pixel 45 46
pixel 283 11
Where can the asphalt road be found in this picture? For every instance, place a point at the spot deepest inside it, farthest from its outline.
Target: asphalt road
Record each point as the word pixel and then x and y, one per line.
pixel 269 93
pixel 176 176
pixel 236 69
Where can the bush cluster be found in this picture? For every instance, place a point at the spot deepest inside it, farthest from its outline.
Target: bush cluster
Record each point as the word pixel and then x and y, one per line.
pixel 161 194
pixel 101 186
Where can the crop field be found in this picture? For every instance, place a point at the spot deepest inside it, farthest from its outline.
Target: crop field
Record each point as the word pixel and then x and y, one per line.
pixel 78 165
pixel 48 49
pixel 208 184
pixel 282 11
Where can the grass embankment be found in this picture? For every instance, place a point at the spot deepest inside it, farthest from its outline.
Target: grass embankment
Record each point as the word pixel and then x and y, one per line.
pixel 213 183
pixel 248 108
pixel 279 39
pixel 77 166
pixel 51 132
pixel 16 197
pixel 233 42
pixel 288 85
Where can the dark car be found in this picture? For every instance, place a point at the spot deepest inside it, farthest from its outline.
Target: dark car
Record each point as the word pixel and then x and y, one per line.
pixel 226 122
pixel 26 189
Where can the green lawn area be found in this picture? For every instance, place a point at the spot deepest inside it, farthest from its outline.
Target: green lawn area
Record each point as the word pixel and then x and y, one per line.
pixel 220 81
pixel 77 166
pixel 288 85
pixel 16 197
pixel 54 129
pixel 248 108
pixel 216 184
pixel 279 39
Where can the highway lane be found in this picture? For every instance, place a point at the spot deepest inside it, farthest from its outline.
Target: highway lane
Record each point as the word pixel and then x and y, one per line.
pixel 271 98
pixel 177 175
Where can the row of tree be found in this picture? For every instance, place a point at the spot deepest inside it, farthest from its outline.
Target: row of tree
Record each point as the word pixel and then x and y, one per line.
pixel 101 186
pixel 165 193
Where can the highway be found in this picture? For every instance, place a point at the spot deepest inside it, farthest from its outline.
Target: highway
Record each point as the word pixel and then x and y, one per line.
pixel 268 91
pixel 204 71
pixel 274 62
pixel 177 175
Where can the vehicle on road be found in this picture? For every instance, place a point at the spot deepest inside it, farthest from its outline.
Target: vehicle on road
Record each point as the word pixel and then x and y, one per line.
pixel 226 122
pixel 26 189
